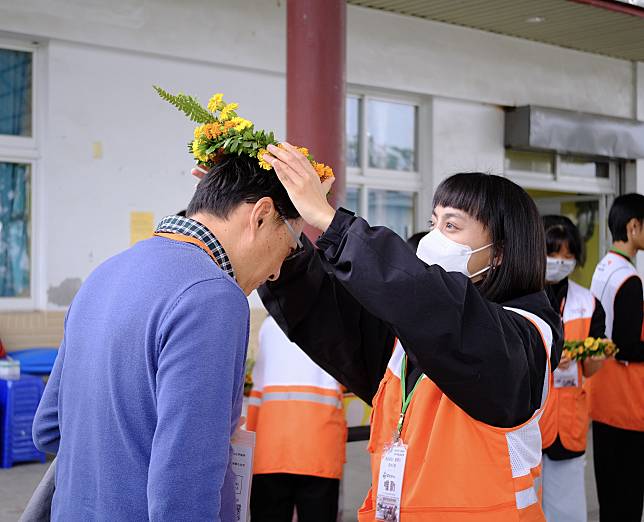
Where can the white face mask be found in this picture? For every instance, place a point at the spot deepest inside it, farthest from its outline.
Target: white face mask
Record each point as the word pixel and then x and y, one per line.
pixel 437 249
pixel 559 269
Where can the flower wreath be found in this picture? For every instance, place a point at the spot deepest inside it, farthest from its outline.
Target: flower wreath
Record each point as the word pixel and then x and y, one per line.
pixel 222 131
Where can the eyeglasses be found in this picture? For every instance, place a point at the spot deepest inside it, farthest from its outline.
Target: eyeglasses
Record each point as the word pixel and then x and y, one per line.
pixel 294 235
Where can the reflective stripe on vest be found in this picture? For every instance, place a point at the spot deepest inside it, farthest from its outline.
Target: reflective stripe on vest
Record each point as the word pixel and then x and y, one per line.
pixel 320 398
pixel 457 468
pixel 296 410
pixel 566 413
pixel 617 389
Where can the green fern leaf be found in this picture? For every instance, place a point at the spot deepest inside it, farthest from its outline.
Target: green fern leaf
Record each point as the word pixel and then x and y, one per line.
pixel 186 104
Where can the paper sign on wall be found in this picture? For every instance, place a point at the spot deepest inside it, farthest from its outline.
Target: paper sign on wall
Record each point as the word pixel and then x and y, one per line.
pixel 141 226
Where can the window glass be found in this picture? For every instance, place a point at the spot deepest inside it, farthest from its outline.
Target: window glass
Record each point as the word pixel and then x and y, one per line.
pixel 15 230
pixel 394 209
pixel 353 131
pixel 542 162
pixel 15 92
pixel 352 199
pixel 391 134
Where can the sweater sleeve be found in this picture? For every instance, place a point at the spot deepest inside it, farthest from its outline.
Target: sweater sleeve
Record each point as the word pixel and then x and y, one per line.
pixel 627 321
pixel 201 351
pixel 46 428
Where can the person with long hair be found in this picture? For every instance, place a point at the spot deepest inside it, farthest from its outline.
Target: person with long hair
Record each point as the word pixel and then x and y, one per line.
pixel 453 346
pixel 565 422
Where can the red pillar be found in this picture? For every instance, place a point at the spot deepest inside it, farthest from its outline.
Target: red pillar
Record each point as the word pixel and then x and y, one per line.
pixel 316 86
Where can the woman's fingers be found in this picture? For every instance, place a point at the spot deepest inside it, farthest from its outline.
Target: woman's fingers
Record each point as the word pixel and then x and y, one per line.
pixel 327 184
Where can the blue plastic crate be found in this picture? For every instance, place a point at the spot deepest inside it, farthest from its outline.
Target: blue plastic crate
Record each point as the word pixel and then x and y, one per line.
pixel 18 404
pixel 37 361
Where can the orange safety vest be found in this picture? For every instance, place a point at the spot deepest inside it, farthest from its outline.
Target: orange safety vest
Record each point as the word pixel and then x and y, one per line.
pixel 296 410
pixel 566 413
pixel 617 390
pixel 457 468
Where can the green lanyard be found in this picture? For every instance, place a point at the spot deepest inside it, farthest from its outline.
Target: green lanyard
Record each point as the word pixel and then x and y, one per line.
pixel 405 399
pixel 621 252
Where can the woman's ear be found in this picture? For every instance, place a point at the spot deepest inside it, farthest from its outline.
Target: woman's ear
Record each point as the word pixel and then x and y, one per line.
pixel 497 255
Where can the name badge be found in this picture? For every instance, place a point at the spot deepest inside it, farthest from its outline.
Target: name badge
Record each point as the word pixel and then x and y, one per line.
pixel 390 481
pixel 243 445
pixel 568 377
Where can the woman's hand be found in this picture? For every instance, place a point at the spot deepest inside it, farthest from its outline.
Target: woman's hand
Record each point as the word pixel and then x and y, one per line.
pixel 564 362
pixel 303 185
pixel 592 365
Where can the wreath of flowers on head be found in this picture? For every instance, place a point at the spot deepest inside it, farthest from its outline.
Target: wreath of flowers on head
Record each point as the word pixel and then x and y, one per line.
pixel 221 131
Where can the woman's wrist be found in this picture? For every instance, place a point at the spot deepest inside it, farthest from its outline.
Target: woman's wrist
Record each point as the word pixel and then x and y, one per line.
pixel 323 220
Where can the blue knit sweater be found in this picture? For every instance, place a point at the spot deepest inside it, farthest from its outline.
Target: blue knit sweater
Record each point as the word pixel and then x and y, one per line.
pixel 147 389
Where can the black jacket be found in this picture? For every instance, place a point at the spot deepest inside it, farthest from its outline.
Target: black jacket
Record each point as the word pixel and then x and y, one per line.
pixel 346 303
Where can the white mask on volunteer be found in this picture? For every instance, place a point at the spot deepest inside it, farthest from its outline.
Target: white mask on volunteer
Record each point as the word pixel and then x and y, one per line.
pixel 558 269
pixel 437 249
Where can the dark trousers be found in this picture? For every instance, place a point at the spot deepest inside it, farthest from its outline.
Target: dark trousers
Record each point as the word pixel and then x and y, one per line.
pixel 274 495
pixel 619 470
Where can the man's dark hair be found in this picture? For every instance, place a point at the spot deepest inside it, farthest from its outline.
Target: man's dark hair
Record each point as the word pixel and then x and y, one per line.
pixel 559 231
pixel 511 217
pixel 236 180
pixel 415 239
pixel 624 209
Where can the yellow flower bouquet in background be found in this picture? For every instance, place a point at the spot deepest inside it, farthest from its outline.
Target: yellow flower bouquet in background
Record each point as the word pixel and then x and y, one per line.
pixel 579 350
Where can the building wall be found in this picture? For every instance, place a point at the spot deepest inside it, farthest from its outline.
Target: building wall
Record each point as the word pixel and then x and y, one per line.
pixel 109 146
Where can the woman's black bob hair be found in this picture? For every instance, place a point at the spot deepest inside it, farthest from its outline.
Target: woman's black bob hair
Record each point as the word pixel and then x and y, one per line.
pixel 511 217
pixel 561 231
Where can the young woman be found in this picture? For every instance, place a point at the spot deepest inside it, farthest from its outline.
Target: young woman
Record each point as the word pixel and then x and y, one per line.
pixel 564 425
pixel 452 346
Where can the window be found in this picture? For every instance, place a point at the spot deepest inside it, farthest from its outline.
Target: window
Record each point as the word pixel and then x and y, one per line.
pixel 18 153
pixel 558 172
pixel 383 174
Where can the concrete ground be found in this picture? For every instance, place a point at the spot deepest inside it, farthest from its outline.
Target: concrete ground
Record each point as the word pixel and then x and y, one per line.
pixel 17 483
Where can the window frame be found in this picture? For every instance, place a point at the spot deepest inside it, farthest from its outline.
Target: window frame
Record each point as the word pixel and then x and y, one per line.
pixel 366 178
pixel 26 150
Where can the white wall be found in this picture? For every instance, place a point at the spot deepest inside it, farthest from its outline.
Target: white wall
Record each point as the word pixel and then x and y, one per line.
pixel 102 56
pixel 466 137
pixel 100 95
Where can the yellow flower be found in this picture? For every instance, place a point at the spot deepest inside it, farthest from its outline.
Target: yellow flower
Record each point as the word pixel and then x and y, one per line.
pixel 262 162
pixel 228 111
pixel 216 102
pixel 199 150
pixel 241 123
pixel 595 346
pixel 588 342
pixel 199 131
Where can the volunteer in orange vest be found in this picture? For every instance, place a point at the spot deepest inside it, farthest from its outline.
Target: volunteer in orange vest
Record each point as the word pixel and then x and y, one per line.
pixel 617 391
pixel 454 430
pixel 296 410
pixel 565 422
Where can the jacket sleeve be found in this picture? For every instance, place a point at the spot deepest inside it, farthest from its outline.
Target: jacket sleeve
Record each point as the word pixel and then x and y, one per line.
pixel 627 321
pixel 598 321
pixel 327 322
pixel 488 360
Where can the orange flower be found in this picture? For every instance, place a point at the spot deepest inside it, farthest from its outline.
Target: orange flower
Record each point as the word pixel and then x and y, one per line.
pixel 324 172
